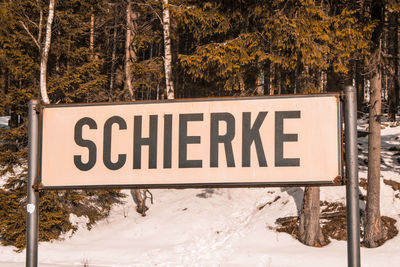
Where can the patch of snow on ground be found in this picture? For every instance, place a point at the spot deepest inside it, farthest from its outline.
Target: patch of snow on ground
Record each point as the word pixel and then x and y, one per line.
pixel 4 121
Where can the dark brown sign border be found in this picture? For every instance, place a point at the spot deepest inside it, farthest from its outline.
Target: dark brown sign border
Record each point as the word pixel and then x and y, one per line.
pixel 335 180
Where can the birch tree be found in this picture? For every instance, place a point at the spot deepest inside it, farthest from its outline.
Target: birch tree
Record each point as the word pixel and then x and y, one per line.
pixel 43 49
pixel 44 55
pixel 167 51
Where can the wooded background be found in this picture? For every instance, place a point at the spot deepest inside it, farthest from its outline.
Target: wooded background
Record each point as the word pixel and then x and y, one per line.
pixel 103 50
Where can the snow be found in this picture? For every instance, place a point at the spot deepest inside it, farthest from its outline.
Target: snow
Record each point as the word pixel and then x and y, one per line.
pixel 3 124
pixel 4 121
pixel 215 227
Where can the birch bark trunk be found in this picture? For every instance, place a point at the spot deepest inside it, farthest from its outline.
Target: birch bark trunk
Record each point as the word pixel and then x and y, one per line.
pixel 167 51
pixel 45 55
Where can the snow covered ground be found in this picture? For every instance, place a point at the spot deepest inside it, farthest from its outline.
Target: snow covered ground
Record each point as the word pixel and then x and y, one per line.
pixel 216 227
pixel 4 121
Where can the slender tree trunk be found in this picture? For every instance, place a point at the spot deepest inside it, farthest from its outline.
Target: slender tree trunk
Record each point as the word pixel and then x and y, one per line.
pixel 40 26
pixel 167 51
pixel 45 55
pixel 373 226
pixel 91 40
pixel 278 78
pixel 359 79
pixel 140 200
pixel 113 59
pixel 260 82
pixel 271 79
pixel 130 55
pixel 393 47
pixel 319 81
pixel 324 79
pixel 267 78
pixel 309 227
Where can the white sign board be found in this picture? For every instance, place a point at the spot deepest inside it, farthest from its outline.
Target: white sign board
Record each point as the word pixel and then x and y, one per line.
pixel 226 141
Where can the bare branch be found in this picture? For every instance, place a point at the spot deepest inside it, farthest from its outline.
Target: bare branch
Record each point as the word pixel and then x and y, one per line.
pixel 152 9
pixel 30 34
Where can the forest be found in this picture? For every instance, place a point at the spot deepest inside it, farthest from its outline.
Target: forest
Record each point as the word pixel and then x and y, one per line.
pixel 112 51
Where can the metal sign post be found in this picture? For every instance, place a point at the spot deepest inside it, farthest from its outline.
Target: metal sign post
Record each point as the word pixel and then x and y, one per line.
pixel 353 211
pixel 32 202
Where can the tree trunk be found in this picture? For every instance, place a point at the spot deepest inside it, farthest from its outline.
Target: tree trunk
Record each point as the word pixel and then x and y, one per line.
pixel 373 227
pixel 167 51
pixel 45 55
pixel 271 79
pixel 393 47
pixel 130 55
pixel 260 82
pixel 321 81
pixel 309 228
pixel 139 197
pixel 39 37
pixel 359 79
pixel 91 40
pixel 113 59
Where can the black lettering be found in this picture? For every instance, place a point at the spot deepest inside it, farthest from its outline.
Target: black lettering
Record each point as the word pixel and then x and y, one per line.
pixel 250 135
pixel 184 140
pixel 107 143
pixel 226 139
pixel 280 138
pixel 139 141
pixel 85 143
pixel 167 140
